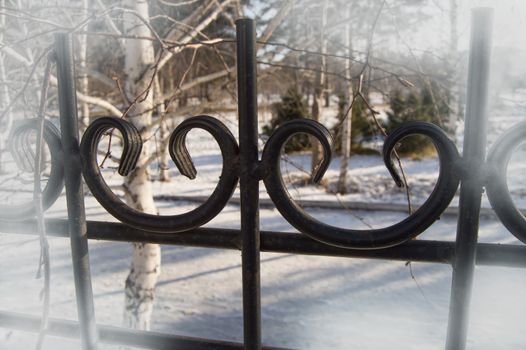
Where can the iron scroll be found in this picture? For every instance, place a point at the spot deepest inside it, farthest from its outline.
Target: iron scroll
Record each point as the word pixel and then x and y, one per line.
pixel 132 148
pixel 403 231
pixel 270 172
pixel 497 189
pixel 24 156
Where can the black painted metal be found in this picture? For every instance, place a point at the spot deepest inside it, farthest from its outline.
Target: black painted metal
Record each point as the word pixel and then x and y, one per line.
pixel 130 154
pixel 22 151
pixel 505 255
pixel 497 188
pixel 249 180
pixel 118 336
pixel 410 227
pixel 240 163
pixel 473 179
pixel 74 191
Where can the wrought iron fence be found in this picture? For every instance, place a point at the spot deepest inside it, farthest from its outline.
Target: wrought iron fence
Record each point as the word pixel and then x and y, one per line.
pixel 471 171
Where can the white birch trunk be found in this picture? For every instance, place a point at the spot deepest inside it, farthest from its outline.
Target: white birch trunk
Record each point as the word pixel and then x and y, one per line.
pixel 454 90
pixel 83 81
pixel 318 87
pixel 164 157
pixel 146 260
pixel 347 123
pixel 324 76
pixel 345 142
pixel 23 28
pixel 4 93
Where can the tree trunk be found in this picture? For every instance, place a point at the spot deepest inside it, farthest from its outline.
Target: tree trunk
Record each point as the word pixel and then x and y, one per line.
pixel 325 76
pixel 347 123
pixel 315 114
pixel 318 87
pixel 146 260
pixel 83 83
pixel 4 93
pixel 164 157
pixel 453 74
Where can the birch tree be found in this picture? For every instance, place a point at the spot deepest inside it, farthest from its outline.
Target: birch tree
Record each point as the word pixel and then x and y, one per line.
pixel 4 90
pixel 317 98
pixel 164 132
pixel 140 64
pixel 136 32
pixel 453 72
pixel 347 121
pixel 146 259
pixel 83 79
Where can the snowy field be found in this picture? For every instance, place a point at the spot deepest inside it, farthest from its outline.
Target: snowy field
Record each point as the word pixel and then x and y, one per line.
pixel 307 302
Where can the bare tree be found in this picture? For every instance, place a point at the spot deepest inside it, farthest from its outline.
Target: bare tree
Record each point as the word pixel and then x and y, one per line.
pixel 347 121
pixel 453 71
pixel 4 90
pixel 146 260
pixel 83 79
pixel 149 43
pixel 317 98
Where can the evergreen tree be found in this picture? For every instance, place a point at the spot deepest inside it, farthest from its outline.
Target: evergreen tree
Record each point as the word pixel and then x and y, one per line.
pixel 292 106
pixel 361 126
pixel 414 106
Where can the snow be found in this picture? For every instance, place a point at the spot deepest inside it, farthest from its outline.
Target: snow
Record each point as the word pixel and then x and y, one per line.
pixel 308 302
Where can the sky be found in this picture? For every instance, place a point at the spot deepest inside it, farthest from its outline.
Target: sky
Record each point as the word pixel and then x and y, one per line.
pixel 509 27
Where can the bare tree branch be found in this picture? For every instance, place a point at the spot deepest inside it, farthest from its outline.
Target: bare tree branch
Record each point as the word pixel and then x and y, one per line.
pixel 202 25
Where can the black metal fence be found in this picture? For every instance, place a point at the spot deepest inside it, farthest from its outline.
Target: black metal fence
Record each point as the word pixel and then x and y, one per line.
pixel 241 163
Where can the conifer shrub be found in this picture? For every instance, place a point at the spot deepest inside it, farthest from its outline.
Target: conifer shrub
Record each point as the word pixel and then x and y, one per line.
pixel 361 127
pixel 292 106
pixel 414 106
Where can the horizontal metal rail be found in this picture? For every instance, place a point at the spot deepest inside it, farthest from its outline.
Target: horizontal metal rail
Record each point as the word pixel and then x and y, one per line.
pixel 451 211
pixel 471 171
pixel 506 255
pixel 117 335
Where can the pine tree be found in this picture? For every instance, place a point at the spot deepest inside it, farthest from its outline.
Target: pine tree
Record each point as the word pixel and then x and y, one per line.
pixel 414 106
pixel 292 106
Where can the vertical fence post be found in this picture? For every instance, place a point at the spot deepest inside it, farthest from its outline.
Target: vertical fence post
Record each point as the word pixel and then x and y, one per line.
pixel 248 180
pixel 74 190
pixel 472 183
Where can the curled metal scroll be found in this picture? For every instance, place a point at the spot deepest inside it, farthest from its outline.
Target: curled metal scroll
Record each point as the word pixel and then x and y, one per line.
pixel 21 148
pixel 416 223
pixel 131 151
pixel 270 172
pixel 497 187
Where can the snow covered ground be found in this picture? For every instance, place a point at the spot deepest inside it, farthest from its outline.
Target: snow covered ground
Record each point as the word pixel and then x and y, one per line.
pixel 307 302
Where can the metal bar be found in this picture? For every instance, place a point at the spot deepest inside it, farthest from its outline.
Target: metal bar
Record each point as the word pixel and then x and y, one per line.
pixel 488 254
pixel 332 205
pixel 117 335
pixel 74 190
pixel 248 180
pixel 472 183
